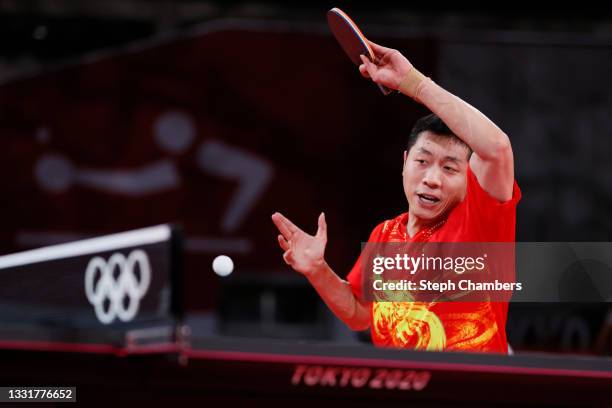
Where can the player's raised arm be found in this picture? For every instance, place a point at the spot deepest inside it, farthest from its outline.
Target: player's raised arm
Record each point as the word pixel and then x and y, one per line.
pixel 305 253
pixel 492 161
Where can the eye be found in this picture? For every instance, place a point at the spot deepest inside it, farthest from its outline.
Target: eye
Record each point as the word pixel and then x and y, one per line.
pixel 450 169
pixel 420 161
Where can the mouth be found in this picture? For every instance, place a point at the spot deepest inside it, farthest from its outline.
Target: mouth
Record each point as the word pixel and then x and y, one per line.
pixel 428 199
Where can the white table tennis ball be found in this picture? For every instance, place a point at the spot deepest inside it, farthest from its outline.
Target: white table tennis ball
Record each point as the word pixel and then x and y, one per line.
pixel 223 265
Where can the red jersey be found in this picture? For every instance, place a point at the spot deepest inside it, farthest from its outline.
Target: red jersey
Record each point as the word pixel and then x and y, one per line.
pixel 466 326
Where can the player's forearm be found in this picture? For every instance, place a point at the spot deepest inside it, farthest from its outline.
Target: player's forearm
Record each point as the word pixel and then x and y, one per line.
pixel 337 295
pixel 484 137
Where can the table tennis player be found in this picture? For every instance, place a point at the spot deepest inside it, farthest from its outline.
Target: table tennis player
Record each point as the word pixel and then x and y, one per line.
pixel 458 178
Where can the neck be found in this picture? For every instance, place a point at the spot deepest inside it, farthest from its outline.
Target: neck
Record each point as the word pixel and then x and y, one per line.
pixel 416 224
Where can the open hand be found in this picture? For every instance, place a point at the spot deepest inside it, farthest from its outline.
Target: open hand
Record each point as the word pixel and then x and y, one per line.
pixel 303 252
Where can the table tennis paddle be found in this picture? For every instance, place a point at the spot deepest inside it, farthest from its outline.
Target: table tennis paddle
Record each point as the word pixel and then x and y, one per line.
pixel 351 39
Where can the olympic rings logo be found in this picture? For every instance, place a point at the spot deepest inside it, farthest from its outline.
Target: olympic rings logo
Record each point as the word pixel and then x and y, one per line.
pixel 116 289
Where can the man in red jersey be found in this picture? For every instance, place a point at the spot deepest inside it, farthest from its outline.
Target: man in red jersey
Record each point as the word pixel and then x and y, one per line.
pixel 458 178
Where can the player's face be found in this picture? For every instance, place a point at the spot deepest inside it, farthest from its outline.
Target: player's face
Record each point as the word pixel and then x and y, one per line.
pixel 435 175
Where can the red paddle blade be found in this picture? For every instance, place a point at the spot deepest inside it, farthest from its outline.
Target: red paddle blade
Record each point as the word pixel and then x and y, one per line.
pixel 348 35
pixel 351 39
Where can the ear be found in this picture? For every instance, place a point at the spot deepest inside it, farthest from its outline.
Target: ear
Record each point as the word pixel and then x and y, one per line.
pixel 404 164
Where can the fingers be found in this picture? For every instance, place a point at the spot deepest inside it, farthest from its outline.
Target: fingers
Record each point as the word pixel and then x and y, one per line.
pixel 322 230
pixel 288 257
pixel 363 71
pixel 286 227
pixel 369 66
pixel 283 243
pixel 379 50
pixel 290 226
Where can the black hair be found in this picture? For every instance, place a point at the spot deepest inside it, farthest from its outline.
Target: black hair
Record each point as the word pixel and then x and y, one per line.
pixel 435 125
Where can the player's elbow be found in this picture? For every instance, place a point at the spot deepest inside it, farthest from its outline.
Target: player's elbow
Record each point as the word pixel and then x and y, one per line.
pixel 358 324
pixel 359 327
pixel 500 150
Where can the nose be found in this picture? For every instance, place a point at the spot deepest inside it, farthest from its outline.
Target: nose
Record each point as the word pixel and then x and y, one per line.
pixel 432 177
